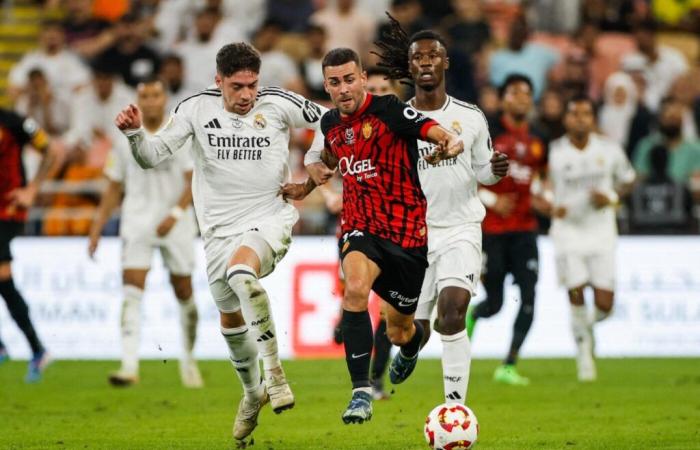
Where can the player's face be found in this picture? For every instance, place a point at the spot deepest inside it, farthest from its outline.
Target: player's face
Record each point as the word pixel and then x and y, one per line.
pixel 151 99
pixel 378 85
pixel 580 118
pixel 346 85
pixel 239 91
pixel 428 61
pixel 517 100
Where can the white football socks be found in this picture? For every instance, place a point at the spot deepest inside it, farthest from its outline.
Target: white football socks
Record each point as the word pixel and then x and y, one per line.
pixel 188 325
pixel 131 329
pixel 244 357
pixel 456 362
pixel 255 306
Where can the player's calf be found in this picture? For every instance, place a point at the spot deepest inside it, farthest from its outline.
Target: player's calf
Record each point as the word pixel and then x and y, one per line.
pixel 409 339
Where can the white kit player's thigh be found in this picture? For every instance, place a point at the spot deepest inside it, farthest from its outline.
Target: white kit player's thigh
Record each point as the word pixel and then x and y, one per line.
pixel 572 269
pixel 459 265
pixel 137 252
pixel 218 252
pixel 428 293
pixel 601 266
pixel 271 240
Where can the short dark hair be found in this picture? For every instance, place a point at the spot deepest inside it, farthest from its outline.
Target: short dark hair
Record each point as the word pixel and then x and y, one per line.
pixel 340 56
pixel 667 101
pixel 427 35
pixel 232 58
pixel 152 79
pixel 171 58
pixel 579 98
pixel 512 79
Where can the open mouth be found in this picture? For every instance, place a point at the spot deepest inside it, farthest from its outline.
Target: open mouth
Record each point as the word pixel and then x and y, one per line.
pixel 426 76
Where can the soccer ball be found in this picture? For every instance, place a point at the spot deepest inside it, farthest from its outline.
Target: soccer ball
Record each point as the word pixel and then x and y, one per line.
pixel 451 426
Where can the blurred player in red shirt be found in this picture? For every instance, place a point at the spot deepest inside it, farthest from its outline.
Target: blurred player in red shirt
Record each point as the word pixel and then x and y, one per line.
pixel 510 226
pixel 16 196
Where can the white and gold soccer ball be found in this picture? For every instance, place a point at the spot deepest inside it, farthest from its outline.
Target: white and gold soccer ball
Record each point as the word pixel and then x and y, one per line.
pixel 451 426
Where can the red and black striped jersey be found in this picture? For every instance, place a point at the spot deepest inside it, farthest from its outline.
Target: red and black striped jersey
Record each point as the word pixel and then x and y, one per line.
pixel 15 132
pixel 377 154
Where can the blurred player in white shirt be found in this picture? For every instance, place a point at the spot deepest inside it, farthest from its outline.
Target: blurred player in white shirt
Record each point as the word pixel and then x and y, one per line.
pixel 588 174
pixel 155 214
pixel 240 145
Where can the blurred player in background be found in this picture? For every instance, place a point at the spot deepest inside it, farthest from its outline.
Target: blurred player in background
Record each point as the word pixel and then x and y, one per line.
pixel 454 210
pixel 240 144
pixel 510 226
pixel 17 195
pixel 589 174
pixel 155 215
pixel 372 140
pixel 378 83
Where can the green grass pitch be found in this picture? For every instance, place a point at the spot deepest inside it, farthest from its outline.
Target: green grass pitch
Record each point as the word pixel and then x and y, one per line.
pixel 637 403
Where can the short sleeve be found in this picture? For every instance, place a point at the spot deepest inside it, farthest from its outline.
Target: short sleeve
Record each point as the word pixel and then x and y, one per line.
pixel 405 120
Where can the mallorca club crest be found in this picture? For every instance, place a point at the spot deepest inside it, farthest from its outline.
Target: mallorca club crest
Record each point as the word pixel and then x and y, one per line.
pixel 349 136
pixel 259 122
pixel 366 130
pixel 456 127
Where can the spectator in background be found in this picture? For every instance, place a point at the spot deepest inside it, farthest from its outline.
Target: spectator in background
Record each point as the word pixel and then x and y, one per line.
pixel 555 16
pixel 615 15
pixel 130 56
pixel 409 13
pixel 62 68
pixel 40 103
pixel 277 68
pixel 292 15
pixel 490 104
pixel 661 64
pixel 622 117
pixel 686 90
pixel 346 25
pixel 683 156
pixel 682 14
pixel 533 60
pixel 310 66
pixel 575 76
pixel 550 121
pixel 469 33
pixel 85 34
pixel 92 113
pixel 172 74
pixel 200 50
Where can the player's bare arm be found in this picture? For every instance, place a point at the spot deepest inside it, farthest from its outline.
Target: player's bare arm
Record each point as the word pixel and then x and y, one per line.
pixel 297 191
pixel 177 211
pixel 111 198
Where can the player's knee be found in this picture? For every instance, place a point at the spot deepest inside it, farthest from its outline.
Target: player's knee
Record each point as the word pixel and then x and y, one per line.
pixel 356 293
pixel 183 289
pixel 231 319
pixel 134 278
pixel 452 319
pixel 244 281
pixel 5 271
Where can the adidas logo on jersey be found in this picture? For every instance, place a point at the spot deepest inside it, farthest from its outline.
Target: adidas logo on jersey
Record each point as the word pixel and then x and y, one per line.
pixel 214 123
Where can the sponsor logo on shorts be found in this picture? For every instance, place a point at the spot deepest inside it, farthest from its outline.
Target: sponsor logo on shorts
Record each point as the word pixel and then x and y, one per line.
pixel 403 300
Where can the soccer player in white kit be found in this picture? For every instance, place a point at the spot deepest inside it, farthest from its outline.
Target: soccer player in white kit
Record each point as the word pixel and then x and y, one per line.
pixel 155 214
pixel 588 175
pixel 240 139
pixel 454 209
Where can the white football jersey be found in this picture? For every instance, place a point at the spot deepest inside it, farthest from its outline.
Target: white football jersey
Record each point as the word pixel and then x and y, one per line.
pixel 148 194
pixel 240 162
pixel 574 174
pixel 450 186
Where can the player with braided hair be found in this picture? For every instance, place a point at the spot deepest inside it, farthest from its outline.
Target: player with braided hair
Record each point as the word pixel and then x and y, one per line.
pixel 454 210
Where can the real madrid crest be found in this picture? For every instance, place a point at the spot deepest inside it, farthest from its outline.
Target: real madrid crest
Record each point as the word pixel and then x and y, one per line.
pixel 349 136
pixel 456 127
pixel 236 122
pixel 259 122
pixel 366 130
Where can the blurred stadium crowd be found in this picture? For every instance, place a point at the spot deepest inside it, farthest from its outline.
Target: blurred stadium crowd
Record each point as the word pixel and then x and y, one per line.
pixel 73 64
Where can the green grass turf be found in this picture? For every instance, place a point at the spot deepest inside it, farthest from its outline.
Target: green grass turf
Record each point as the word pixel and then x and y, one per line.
pixel 637 403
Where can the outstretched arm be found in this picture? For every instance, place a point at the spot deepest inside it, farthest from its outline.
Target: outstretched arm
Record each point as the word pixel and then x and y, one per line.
pixel 150 151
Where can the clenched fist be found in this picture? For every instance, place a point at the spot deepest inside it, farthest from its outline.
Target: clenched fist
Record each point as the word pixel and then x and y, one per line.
pixel 129 118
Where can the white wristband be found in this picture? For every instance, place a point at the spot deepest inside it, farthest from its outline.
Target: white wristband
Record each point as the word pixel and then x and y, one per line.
pixel 488 198
pixel 176 212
